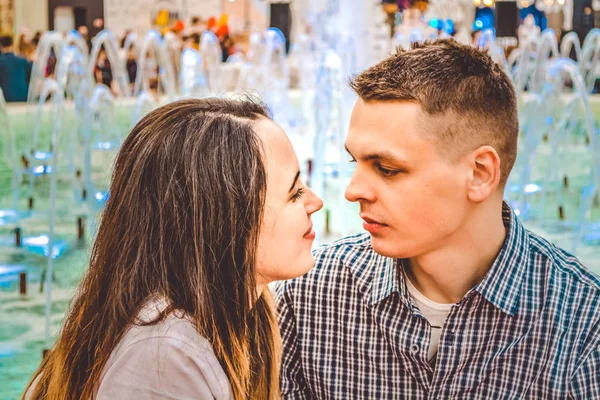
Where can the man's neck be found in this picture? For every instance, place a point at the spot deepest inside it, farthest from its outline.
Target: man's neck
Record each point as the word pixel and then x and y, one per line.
pixel 446 274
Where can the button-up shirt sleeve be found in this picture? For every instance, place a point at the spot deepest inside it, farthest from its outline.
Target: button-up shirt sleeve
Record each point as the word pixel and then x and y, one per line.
pixel 585 384
pixel 293 383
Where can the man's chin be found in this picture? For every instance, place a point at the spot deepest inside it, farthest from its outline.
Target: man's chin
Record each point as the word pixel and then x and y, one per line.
pixel 389 248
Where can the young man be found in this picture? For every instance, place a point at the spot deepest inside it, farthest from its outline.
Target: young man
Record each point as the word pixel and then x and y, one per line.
pixel 447 296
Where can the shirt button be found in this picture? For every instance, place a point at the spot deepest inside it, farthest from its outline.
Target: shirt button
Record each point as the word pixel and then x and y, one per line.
pixel 414 349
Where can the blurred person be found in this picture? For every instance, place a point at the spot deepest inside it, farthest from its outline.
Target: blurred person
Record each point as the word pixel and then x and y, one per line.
pixel 51 65
pixel 151 73
pixel 103 69
pixel 131 66
pixel 24 42
pixel 225 41
pixel 15 72
pixel 29 52
pixel 36 38
pixel 124 38
pixel 178 28
pixel 206 208
pixel 85 33
pixel 211 24
pixel 188 42
pixel 197 25
pixel 195 37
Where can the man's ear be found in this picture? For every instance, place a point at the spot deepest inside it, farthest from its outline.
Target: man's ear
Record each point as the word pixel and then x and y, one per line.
pixel 485 173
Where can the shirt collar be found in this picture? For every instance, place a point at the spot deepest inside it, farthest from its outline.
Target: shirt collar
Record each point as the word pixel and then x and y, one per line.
pixel 501 286
pixel 385 279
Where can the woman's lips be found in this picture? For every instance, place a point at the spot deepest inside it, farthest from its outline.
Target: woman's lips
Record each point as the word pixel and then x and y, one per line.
pixel 310 233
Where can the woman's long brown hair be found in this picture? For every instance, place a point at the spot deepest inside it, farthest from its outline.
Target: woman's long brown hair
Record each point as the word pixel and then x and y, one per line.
pixel 182 222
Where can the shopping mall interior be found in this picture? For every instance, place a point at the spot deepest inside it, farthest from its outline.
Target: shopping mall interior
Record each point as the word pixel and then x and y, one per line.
pixel 83 73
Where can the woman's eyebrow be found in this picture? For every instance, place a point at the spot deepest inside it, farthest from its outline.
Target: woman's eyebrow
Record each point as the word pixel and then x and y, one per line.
pixel 295 180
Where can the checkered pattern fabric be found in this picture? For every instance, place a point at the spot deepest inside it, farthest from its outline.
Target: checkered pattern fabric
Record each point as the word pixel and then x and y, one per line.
pixel 529 330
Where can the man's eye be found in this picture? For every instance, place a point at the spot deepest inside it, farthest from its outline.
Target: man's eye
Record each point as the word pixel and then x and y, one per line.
pixel 387 172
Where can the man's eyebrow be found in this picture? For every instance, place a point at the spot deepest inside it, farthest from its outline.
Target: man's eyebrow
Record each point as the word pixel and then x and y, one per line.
pixel 385 156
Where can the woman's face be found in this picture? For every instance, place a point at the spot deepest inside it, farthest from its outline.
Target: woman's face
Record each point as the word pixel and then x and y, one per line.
pixel 286 234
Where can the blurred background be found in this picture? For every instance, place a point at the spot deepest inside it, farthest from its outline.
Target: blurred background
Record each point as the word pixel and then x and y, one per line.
pixel 76 75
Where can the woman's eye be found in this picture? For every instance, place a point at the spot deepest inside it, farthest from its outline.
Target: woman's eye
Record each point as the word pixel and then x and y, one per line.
pixel 352 160
pixel 298 194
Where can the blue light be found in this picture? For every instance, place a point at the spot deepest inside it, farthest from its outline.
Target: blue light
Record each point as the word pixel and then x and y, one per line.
pixel 102 197
pixel 41 170
pixel 437 23
pixel 532 188
pixel 104 145
pixel 449 26
pixel 40 155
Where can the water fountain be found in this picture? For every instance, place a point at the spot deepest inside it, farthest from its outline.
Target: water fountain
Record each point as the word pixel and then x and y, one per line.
pixel 559 72
pixel 154 47
pixel 9 217
pixel 192 81
pixel 546 48
pixel 173 51
pixel 52 251
pixel 570 42
pixel 145 102
pixel 74 38
pixel 275 80
pixel 487 40
pixel 330 174
pixel 100 135
pixel 590 58
pixel 107 41
pixel 210 50
pixel 549 120
pixel 131 41
pixel 250 75
pixel 50 42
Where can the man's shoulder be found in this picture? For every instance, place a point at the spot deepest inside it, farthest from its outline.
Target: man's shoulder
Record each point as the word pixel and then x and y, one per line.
pixel 572 288
pixel 565 266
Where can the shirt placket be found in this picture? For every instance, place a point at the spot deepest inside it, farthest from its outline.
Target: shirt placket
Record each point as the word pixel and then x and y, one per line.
pixel 409 344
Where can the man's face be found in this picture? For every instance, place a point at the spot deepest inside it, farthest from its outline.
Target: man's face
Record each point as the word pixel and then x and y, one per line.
pixel 413 199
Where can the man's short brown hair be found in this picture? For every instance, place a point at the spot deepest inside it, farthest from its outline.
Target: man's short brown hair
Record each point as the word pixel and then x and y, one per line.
pixel 470 99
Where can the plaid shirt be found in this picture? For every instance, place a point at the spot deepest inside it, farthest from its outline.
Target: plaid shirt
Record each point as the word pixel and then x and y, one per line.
pixel 529 330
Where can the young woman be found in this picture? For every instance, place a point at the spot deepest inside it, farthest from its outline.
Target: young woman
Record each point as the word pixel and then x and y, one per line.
pixel 206 208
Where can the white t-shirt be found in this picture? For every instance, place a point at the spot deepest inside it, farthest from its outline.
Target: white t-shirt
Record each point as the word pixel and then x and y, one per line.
pixel 435 313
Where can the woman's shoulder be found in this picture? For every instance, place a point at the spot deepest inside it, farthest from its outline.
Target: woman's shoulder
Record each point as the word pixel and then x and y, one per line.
pixel 169 357
pixel 174 326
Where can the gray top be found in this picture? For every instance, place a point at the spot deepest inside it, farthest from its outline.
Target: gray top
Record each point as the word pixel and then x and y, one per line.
pixel 169 360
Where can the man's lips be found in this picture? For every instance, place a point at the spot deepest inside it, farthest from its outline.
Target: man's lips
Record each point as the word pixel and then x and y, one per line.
pixel 371 225
pixel 371 220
